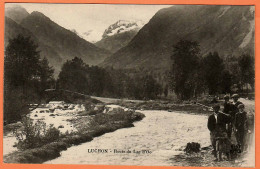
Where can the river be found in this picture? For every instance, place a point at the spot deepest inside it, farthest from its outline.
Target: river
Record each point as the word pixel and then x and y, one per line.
pixel 163 134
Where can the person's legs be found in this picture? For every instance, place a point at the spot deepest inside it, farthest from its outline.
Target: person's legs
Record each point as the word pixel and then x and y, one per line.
pixel 213 143
pixel 237 134
pixel 229 130
pixel 242 140
pixel 228 156
pixel 219 148
pixel 219 155
pixel 227 148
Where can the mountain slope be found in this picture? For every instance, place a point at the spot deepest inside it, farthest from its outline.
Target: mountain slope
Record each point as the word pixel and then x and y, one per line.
pixel 119 34
pixel 229 30
pixel 13 29
pixel 16 13
pixel 65 42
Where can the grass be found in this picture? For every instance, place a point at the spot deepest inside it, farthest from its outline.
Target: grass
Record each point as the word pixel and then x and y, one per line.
pixel 188 107
pixel 11 127
pixel 37 155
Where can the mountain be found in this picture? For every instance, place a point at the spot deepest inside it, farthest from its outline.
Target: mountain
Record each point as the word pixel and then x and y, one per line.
pixel 65 42
pixel 92 35
pixel 122 26
pixel 229 30
pixel 119 34
pixel 16 13
pixel 12 29
pixel 56 43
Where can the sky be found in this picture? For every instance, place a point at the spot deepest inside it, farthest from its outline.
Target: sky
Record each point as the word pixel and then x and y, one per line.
pixel 95 17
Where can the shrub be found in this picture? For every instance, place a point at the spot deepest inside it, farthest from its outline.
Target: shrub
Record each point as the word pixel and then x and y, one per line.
pixel 35 135
pixel 51 134
pixel 87 113
pixel 136 116
pixel 101 118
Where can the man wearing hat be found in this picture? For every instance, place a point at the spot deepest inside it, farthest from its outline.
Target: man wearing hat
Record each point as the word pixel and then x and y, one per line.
pixel 241 126
pixel 228 109
pixel 217 126
pixel 235 105
pixel 236 102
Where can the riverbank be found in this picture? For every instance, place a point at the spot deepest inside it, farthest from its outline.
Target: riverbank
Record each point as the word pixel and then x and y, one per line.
pixel 189 107
pixel 87 127
pixel 205 158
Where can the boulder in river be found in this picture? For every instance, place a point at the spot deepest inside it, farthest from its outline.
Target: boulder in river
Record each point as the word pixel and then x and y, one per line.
pixel 192 147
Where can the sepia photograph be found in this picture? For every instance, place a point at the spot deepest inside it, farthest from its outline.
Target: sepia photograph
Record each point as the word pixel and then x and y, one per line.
pixel 129 84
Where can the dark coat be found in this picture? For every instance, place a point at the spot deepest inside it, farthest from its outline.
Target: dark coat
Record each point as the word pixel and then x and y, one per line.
pixel 241 121
pixel 237 103
pixel 236 106
pixel 214 125
pixel 230 109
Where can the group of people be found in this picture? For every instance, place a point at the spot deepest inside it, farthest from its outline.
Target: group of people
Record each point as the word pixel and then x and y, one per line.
pixel 223 126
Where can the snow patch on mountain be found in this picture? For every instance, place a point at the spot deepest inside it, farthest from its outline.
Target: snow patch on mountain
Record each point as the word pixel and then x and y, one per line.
pixel 92 36
pixel 249 35
pixel 122 26
pixel 224 10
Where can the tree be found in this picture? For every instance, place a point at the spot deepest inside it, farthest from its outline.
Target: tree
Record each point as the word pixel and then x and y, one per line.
pixel 226 82
pixel 73 76
pixel 232 66
pixel 46 75
pixel 151 89
pixel 22 77
pixel 46 72
pixel 212 68
pixel 97 80
pixel 247 70
pixel 185 59
pixel 21 61
pixel 165 91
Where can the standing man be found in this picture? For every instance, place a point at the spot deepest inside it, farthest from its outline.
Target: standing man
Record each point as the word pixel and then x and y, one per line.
pixel 241 126
pixel 236 102
pixel 228 109
pixel 217 126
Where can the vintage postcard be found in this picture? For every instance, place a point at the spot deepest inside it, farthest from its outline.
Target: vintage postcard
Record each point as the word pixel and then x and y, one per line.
pixel 129 84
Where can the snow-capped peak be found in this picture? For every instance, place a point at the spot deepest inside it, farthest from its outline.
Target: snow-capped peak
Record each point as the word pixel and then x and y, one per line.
pixel 122 26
